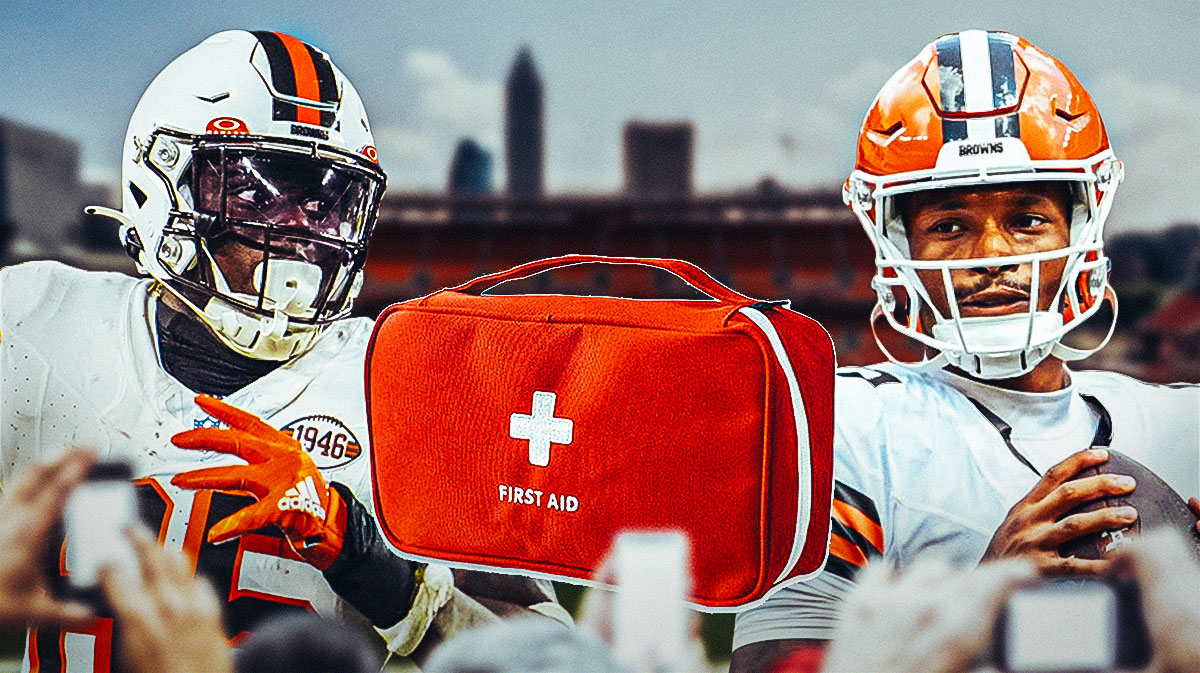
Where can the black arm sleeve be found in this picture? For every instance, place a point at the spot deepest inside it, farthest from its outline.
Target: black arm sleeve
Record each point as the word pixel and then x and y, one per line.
pixel 366 574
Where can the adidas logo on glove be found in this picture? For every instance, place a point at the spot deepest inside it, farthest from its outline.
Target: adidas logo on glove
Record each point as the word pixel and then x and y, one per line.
pixel 303 497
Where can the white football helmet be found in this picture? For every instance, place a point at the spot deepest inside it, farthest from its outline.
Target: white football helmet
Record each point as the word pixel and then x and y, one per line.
pixel 250 188
pixel 985 108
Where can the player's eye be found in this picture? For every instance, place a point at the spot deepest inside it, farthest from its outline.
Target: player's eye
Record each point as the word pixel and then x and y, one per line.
pixel 251 195
pixel 946 227
pixel 315 207
pixel 1030 221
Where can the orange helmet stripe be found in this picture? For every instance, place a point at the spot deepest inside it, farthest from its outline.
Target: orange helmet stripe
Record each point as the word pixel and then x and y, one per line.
pixel 297 70
pixel 307 86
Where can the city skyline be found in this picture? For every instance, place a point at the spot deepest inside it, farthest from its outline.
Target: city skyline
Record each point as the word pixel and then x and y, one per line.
pixel 772 89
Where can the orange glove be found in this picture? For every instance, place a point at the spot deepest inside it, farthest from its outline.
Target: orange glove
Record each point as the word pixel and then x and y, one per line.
pixel 290 490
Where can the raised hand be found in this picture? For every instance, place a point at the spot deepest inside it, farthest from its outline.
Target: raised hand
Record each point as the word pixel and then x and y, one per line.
pixel 291 492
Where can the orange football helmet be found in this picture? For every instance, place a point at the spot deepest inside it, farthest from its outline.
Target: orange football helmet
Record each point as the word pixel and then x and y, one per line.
pixel 984 108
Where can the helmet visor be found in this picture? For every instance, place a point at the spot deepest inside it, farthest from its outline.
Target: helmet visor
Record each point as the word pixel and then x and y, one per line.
pixel 284 190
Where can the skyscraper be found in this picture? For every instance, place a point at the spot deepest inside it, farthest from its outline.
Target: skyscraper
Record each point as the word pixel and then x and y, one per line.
pixel 470 169
pixel 658 159
pixel 523 127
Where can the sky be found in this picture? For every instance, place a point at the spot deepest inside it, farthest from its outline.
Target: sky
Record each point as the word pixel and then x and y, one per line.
pixel 774 88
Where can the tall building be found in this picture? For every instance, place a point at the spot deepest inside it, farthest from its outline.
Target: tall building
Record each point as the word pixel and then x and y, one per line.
pixel 471 169
pixel 41 196
pixel 658 159
pixel 523 132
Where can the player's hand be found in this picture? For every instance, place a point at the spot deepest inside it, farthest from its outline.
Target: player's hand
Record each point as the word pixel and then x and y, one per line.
pixel 29 510
pixel 1036 525
pixel 291 493
pixel 169 621
pixel 1194 505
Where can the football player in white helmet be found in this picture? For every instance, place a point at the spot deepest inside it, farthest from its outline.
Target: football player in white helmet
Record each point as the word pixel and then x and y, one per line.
pixel 983 179
pixel 250 187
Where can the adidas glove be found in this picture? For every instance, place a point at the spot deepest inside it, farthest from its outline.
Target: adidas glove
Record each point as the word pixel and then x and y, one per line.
pixel 291 493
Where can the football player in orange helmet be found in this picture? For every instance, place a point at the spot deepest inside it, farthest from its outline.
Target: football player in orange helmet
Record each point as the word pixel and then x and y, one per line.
pixel 975 111
pixel 983 178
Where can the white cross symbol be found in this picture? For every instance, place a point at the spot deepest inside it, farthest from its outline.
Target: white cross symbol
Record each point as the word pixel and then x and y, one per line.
pixel 541 428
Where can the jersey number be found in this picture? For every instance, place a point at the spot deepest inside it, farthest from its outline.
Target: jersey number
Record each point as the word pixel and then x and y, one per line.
pixel 259 556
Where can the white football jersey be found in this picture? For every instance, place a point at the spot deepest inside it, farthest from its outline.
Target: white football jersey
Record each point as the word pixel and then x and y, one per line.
pixel 80 367
pixel 929 462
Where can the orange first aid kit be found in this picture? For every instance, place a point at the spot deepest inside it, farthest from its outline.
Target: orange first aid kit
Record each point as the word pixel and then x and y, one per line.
pixel 521 433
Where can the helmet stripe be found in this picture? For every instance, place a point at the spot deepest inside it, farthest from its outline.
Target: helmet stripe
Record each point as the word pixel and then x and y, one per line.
pixel 307 86
pixel 1004 74
pixel 300 71
pixel 977 82
pixel 1008 126
pixel 977 75
pixel 950 74
pixel 976 70
pixel 283 75
pixel 953 130
pixel 1004 84
pixel 326 81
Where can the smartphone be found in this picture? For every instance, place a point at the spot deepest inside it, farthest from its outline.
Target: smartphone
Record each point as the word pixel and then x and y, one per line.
pixel 95 519
pixel 650 616
pixel 1087 625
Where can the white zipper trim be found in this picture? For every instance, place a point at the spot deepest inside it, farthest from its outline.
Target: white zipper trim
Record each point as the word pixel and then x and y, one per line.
pixel 804 507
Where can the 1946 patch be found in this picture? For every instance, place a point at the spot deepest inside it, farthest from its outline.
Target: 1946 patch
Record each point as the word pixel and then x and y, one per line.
pixel 326 439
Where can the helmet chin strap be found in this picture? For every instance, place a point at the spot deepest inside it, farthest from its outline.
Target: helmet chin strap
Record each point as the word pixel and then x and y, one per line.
pixel 289 291
pixel 998 347
pixel 1065 352
pixel 259 337
pixel 987 332
pixel 936 361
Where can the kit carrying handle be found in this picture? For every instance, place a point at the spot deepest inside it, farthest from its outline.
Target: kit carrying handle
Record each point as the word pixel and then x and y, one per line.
pixel 688 272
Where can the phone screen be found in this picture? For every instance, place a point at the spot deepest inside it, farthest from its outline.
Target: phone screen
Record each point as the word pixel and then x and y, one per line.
pixel 650 618
pixel 1062 626
pixel 95 519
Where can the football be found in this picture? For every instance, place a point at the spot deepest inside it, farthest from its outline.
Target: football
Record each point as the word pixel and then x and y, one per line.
pixel 1157 505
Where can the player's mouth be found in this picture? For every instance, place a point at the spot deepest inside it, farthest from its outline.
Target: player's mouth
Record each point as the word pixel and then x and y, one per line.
pixel 996 300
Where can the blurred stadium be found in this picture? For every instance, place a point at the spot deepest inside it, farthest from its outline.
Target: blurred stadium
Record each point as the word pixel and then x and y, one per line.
pixel 706 131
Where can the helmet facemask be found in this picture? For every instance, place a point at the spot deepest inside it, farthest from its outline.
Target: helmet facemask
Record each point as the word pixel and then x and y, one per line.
pixel 1066 285
pixel 267 238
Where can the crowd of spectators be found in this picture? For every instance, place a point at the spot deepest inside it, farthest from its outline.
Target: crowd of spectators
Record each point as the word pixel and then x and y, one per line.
pixel 934 618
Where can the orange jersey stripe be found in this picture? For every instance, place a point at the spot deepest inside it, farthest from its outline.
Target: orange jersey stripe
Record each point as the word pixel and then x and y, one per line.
pixel 194 537
pixel 852 518
pixel 846 550
pixel 35 661
pixel 307 86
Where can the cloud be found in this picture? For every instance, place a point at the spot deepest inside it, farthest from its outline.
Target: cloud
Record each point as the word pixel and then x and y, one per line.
pixel 1153 126
pixel 450 105
pixel 803 137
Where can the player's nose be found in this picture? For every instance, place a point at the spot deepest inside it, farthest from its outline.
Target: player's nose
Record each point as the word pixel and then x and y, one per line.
pixel 991 243
pixel 293 216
